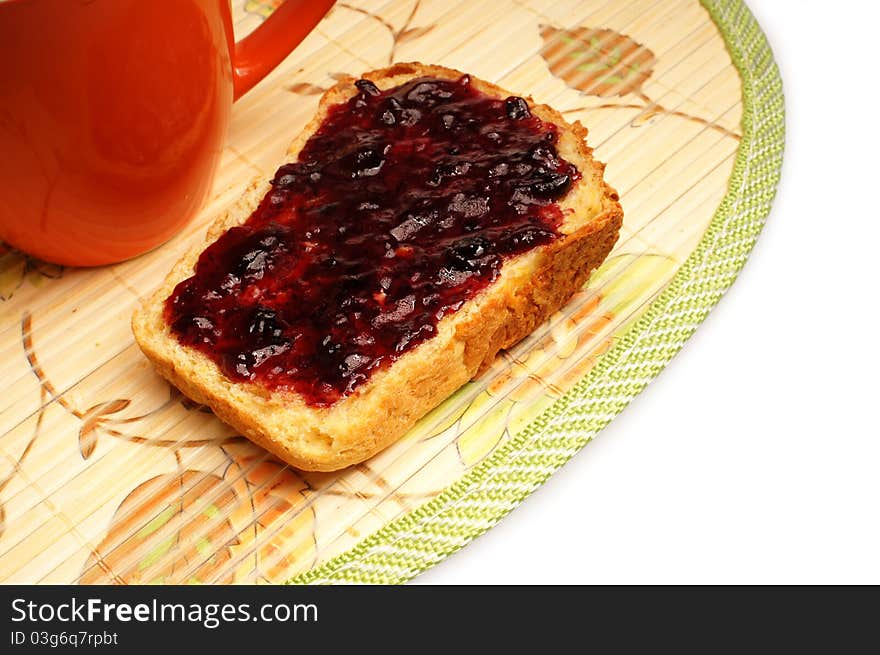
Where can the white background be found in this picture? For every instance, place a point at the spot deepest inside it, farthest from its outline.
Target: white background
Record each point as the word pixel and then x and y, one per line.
pixel 755 456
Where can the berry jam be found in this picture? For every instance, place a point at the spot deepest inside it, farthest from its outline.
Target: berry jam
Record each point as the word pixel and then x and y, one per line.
pixel 402 206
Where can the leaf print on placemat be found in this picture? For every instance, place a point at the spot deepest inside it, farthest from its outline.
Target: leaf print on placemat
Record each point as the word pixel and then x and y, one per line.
pixel 272 512
pixel 12 268
pixel 484 425
pixel 628 280
pixel 413 33
pixel 603 63
pixel 172 529
pixel 597 61
pixel 93 420
pixel 16 267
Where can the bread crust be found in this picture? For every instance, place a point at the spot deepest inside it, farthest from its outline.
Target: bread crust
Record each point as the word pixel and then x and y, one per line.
pixel 530 287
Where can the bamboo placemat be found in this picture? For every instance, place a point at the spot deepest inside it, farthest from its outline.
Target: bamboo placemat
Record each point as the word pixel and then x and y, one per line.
pixel 109 475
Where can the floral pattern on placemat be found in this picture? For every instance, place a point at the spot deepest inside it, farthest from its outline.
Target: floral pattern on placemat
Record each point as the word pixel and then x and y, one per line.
pixel 604 63
pixel 17 268
pixel 111 476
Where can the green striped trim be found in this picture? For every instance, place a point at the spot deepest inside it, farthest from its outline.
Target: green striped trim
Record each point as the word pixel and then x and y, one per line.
pixel 468 508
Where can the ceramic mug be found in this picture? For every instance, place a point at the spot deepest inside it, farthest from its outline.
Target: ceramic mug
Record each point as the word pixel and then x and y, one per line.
pixel 113 114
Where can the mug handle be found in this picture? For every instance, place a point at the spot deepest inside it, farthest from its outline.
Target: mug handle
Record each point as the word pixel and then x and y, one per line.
pixel 264 48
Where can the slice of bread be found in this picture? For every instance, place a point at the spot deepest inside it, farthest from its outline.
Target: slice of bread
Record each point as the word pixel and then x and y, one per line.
pixel 529 288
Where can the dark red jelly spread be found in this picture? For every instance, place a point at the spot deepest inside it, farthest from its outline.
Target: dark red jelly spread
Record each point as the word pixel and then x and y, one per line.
pixel 402 206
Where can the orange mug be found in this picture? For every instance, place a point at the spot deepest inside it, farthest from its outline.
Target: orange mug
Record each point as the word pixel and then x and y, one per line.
pixel 113 114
